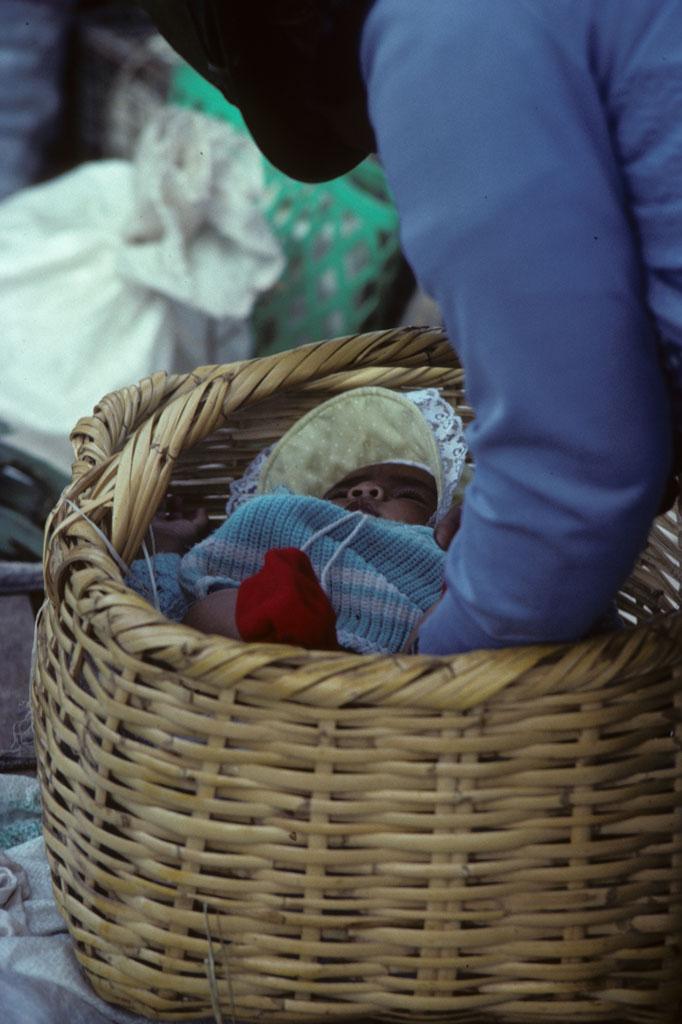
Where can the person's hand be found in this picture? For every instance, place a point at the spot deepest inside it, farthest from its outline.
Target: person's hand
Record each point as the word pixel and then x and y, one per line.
pixel 175 531
pixel 448 526
pixel 215 613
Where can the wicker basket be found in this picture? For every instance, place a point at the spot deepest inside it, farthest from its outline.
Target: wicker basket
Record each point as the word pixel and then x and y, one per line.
pixel 299 836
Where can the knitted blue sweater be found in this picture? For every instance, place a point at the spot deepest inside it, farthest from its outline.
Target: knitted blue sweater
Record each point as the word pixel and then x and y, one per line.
pixel 380 575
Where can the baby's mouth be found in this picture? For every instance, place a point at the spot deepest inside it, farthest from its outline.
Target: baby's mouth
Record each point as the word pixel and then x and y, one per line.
pixel 359 505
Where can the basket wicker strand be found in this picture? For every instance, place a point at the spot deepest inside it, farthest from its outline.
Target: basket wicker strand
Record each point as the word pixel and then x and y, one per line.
pixel 282 835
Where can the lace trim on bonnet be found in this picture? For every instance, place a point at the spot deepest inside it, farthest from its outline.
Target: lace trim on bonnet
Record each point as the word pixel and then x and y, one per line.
pixel 448 432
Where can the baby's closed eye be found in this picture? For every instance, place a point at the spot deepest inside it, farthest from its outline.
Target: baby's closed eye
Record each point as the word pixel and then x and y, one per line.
pixel 412 495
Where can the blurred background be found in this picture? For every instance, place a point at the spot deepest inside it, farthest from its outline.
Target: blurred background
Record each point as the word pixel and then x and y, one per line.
pixel 140 230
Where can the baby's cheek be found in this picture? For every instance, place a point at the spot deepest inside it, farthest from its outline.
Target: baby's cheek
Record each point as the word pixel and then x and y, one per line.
pixel 404 512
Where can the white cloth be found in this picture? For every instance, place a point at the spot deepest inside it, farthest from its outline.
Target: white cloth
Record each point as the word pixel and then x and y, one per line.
pixel 101 268
pixel 38 968
pixel 14 890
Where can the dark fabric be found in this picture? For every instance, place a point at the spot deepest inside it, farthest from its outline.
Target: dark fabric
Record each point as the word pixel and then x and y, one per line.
pixel 284 64
pixel 16 639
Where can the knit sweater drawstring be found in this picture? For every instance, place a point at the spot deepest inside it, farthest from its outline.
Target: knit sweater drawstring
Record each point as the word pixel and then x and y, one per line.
pixel 324 576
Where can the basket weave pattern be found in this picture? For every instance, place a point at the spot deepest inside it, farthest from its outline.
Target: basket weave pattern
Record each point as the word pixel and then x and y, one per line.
pixel 295 836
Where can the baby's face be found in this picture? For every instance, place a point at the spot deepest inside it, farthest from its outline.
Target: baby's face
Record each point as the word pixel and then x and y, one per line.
pixel 388 490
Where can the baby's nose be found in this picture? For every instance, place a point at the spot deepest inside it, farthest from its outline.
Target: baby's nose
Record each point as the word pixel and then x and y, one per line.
pixel 367 489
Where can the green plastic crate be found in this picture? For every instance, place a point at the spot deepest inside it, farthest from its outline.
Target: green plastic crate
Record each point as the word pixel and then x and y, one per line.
pixel 340 240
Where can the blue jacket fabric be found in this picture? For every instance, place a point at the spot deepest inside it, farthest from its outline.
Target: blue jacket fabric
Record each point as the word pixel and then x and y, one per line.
pixel 534 151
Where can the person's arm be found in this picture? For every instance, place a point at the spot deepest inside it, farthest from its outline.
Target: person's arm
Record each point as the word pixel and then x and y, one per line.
pixel 496 146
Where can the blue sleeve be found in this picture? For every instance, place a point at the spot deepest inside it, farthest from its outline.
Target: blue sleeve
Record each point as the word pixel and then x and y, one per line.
pixel 644 97
pixel 491 129
pixel 165 588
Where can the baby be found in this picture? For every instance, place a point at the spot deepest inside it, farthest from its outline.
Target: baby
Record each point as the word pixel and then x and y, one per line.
pixel 329 539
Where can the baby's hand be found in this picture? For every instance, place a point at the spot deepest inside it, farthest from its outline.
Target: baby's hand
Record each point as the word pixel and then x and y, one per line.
pixel 175 532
